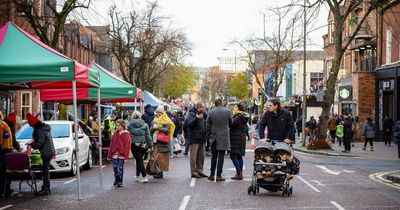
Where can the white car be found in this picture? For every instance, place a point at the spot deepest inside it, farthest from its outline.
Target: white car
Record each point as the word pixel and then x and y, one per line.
pixel 64 144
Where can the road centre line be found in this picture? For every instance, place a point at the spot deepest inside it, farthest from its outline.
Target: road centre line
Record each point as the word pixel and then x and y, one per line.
pixel 337 205
pixel 192 182
pixel 69 181
pixel 6 207
pixel 310 185
pixel 184 203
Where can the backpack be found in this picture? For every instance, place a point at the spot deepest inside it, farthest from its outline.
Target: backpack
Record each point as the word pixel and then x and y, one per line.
pixel 5 136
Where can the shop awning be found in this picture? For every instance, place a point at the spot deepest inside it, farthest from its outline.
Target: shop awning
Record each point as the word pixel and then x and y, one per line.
pixel 26 62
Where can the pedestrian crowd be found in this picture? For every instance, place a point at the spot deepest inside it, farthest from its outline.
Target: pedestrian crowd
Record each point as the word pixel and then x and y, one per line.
pixel 157 135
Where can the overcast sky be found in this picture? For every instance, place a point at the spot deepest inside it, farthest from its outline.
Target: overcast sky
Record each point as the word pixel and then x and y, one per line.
pixel 211 24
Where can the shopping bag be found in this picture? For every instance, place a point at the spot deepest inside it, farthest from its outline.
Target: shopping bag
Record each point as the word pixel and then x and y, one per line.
pixel 152 167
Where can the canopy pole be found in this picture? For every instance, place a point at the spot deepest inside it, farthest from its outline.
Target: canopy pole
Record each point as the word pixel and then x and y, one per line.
pixel 78 181
pixel 99 133
pixel 55 110
pixel 135 102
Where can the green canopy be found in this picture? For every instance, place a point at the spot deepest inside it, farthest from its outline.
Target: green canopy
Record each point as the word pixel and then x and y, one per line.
pixel 26 62
pixel 112 89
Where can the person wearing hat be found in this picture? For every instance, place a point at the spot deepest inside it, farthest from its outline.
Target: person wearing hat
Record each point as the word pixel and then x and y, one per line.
pixel 42 140
pixel 11 121
pixel 8 127
pixel 162 123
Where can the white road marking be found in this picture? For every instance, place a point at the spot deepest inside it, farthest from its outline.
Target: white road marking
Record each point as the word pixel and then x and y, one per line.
pixel 184 202
pixel 69 181
pixel 6 207
pixel 347 171
pixel 310 185
pixel 325 169
pixel 249 150
pixel 337 205
pixel 192 182
pixel 318 183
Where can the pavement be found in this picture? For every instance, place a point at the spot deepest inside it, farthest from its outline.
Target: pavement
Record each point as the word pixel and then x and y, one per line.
pixel 381 152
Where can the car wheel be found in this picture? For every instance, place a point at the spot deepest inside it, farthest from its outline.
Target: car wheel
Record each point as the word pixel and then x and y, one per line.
pixel 89 162
pixel 73 171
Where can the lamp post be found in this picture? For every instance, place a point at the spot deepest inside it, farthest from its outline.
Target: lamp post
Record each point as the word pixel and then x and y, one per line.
pixel 304 78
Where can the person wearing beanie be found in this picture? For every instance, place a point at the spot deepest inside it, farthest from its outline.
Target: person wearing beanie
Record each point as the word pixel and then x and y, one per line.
pixel 11 121
pixel 42 140
pixel 162 123
pixel 8 127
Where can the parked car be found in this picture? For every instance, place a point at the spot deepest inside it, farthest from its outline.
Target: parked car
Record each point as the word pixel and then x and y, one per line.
pixel 64 144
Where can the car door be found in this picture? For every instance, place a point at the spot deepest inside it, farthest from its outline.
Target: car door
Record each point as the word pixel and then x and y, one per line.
pixel 83 145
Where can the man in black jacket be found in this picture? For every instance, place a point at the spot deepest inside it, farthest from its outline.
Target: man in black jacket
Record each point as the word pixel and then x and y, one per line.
pixel 148 115
pixel 279 123
pixel 194 123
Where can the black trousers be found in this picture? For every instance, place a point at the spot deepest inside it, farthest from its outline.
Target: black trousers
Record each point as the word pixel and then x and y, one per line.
pixel 217 155
pixel 46 172
pixel 138 154
pixel 388 138
pixel 347 141
pixel 366 140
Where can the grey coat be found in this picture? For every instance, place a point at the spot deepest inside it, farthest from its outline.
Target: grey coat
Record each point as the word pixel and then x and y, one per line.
pixel 140 132
pixel 218 122
pixel 369 130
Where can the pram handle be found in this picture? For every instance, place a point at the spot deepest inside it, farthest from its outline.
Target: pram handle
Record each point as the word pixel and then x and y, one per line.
pixel 270 164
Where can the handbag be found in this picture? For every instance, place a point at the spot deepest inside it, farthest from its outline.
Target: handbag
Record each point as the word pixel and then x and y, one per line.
pixel 152 167
pixel 162 138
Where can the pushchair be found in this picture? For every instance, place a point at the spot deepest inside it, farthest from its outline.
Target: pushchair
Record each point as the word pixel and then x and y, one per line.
pixel 274 167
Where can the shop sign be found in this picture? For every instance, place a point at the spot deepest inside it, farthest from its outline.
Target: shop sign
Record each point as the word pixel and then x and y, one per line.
pixel 345 93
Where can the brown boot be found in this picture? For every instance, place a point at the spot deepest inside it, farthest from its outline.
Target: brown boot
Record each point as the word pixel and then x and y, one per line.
pixel 236 177
pixel 240 175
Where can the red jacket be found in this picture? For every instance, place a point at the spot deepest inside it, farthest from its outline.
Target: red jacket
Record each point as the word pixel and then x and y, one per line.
pixel 120 144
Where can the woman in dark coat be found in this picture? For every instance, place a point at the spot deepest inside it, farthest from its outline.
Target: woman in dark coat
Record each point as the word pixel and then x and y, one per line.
pixel 238 135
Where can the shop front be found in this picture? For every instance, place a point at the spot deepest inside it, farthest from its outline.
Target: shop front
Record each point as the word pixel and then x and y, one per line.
pixel 388 93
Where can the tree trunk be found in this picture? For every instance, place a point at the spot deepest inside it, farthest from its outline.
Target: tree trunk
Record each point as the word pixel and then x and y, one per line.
pixel 329 96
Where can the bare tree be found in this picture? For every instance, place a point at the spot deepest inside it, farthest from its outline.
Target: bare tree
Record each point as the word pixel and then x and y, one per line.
pixel 48 23
pixel 146 45
pixel 272 52
pixel 343 11
pixel 214 86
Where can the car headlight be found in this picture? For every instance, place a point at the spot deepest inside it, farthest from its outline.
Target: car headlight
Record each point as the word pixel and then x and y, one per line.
pixel 62 150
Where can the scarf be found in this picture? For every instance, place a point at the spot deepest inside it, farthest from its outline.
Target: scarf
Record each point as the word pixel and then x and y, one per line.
pixel 164 120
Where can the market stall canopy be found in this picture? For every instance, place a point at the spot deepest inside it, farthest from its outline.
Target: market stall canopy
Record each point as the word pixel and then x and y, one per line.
pixel 148 98
pixel 112 89
pixel 26 62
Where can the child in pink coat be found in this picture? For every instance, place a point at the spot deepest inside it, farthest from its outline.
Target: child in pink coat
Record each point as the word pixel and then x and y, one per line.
pixel 119 151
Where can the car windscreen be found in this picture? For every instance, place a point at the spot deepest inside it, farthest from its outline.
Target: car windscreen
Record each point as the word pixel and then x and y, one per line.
pixel 57 131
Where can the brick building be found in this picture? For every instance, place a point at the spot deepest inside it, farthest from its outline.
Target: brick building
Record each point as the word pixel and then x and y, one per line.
pixel 77 42
pixel 388 62
pixel 356 78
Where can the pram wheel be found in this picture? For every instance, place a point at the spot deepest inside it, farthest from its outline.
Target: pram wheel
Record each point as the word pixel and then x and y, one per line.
pixel 291 190
pixel 249 190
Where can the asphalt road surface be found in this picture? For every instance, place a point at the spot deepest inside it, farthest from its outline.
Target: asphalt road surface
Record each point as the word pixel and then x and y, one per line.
pixel 324 183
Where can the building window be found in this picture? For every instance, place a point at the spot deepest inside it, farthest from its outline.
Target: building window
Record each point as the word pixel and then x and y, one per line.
pixel 316 82
pixel 26 104
pixel 389 45
pixel 331 31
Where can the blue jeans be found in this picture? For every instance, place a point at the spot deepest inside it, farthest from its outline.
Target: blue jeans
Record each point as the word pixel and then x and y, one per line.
pixel 237 162
pixel 118 166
